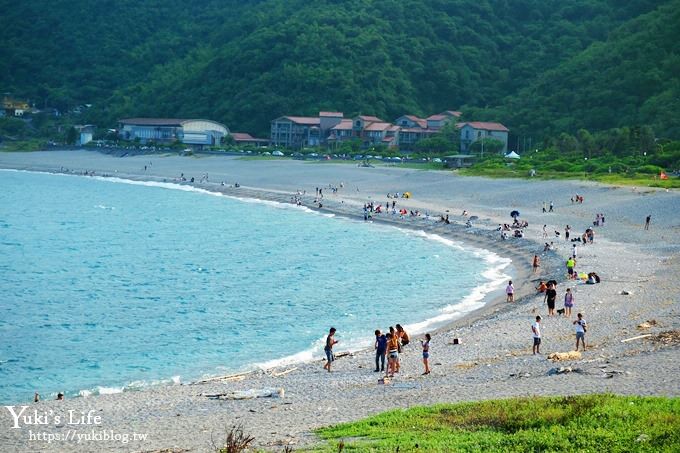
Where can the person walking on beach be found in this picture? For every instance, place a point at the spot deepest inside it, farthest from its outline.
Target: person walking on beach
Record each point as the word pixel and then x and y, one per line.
pixel 573 252
pixel 544 210
pixel 568 302
pixel 392 354
pixel 581 329
pixel 380 351
pixel 328 349
pixel 536 264
pixel 552 205
pixel 510 292
pixel 550 296
pixel 426 353
pixel 545 232
pixel 647 220
pixel 570 267
pixel 536 331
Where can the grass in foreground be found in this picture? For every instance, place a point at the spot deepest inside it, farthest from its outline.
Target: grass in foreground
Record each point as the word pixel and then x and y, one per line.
pixel 580 423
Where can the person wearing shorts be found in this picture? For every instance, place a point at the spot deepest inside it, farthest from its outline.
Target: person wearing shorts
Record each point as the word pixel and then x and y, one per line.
pixel 568 302
pixel 550 296
pixel 328 349
pixel 392 354
pixel 536 332
pixel 426 353
pixel 510 292
pixel 581 327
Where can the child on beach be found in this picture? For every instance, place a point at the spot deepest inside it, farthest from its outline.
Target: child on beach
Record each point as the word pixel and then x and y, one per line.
pixel 536 264
pixel 581 328
pixel 328 349
pixel 510 292
pixel 536 331
pixel 568 302
pixel 426 353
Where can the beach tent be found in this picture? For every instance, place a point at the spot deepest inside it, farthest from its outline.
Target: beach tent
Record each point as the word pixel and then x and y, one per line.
pixel 512 155
pixel 406 195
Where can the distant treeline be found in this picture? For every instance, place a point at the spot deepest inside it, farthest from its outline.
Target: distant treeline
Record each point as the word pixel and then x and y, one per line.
pixel 541 67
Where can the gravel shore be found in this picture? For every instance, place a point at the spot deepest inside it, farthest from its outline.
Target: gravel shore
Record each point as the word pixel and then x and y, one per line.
pixel 494 359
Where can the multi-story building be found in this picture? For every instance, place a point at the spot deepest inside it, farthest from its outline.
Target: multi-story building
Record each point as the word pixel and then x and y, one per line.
pixel 296 132
pixel 473 131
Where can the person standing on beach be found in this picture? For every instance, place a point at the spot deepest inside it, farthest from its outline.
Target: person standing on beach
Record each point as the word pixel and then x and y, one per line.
pixel 404 339
pixel 568 302
pixel 328 349
pixel 567 229
pixel 426 353
pixel 581 328
pixel 380 351
pixel 573 252
pixel 552 205
pixel 510 292
pixel 570 267
pixel 545 232
pixel 536 264
pixel 550 296
pixel 536 331
pixel 647 220
pixel 392 354
pixel 544 210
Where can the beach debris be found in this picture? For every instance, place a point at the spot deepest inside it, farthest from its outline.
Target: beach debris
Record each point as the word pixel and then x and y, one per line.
pixel 455 341
pixel 558 356
pixel 283 373
pixel 563 370
pixel 269 392
pixel 636 338
pixel 668 337
pixel 384 380
pixel 647 324
pixel 626 293
pixel 520 375
pixel 229 377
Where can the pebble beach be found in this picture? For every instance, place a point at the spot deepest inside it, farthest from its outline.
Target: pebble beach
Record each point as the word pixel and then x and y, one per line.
pixel 633 315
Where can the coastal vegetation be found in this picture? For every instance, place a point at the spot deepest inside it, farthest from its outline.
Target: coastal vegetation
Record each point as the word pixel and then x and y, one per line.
pixel 570 423
pixel 541 67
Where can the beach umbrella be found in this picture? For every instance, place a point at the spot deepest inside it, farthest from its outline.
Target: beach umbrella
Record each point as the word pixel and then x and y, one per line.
pixel 512 155
pixel 514 214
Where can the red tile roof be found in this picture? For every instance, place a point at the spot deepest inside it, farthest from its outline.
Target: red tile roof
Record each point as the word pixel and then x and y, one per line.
pixel 332 114
pixel 377 127
pixel 437 117
pixel 306 120
pixel 241 136
pixel 343 125
pixel 485 126
pixel 451 113
pixel 373 119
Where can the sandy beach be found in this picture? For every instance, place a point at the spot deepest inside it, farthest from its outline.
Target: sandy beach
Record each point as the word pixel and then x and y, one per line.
pixel 494 359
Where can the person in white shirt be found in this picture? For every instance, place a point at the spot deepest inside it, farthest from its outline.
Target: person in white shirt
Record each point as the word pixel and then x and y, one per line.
pixel 581 327
pixel 536 330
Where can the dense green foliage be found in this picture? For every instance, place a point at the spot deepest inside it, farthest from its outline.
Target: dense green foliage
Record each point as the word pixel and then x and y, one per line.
pixel 578 423
pixel 540 66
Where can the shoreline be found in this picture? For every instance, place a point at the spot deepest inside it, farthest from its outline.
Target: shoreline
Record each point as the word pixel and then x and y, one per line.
pixel 494 359
pixel 491 302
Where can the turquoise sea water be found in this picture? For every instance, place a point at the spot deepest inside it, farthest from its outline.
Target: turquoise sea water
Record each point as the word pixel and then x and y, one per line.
pixel 108 285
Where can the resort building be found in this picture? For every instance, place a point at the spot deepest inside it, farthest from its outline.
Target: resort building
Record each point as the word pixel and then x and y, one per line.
pixel 85 133
pixel 471 132
pixel 296 132
pixel 196 132
pixel 243 139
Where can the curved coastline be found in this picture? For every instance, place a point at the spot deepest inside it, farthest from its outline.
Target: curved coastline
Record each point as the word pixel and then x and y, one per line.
pixel 489 303
pixel 494 360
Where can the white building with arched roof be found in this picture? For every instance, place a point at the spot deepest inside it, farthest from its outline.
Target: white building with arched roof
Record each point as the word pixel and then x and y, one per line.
pixel 167 130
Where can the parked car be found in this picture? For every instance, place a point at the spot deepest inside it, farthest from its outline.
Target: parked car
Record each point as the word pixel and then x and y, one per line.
pixel 277 153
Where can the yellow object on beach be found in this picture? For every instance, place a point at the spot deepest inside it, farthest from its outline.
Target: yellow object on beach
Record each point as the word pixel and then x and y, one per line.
pixel 583 276
pixel 407 194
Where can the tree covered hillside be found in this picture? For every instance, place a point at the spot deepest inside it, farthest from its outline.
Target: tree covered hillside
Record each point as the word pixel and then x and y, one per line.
pixel 247 62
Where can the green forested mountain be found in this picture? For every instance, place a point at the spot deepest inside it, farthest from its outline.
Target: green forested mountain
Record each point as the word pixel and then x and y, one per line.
pixel 539 66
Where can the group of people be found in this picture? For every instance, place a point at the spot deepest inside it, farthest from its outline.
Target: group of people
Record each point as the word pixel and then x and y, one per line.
pixel 388 347
pixel 581 327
